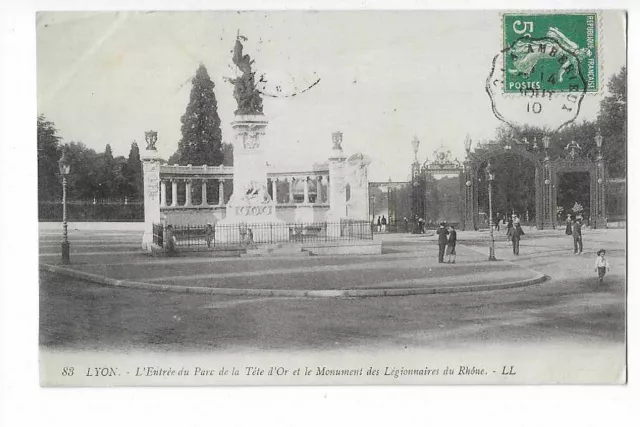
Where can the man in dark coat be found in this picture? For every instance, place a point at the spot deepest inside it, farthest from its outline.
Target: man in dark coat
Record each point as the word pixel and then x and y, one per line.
pixel 514 234
pixel 576 232
pixel 442 241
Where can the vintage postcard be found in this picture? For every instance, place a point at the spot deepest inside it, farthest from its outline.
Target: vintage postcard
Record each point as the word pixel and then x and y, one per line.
pixel 332 197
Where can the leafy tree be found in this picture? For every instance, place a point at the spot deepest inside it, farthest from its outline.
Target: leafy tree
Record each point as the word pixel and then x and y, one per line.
pixel 121 185
pixel 84 179
pixel 201 134
pixel 174 159
pixel 48 155
pixel 612 122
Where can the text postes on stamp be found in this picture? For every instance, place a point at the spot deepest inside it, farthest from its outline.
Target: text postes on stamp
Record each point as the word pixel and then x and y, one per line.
pixel 550 52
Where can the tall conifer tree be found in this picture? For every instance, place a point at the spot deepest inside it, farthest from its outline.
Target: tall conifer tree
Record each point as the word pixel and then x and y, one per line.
pixel 132 172
pixel 201 141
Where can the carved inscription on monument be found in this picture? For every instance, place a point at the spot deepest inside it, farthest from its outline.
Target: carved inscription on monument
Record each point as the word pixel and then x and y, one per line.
pixel 152 181
pixel 254 210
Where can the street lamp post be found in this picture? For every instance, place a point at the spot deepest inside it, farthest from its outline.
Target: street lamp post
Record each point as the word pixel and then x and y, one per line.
pixel 600 217
pixel 548 213
pixel 546 141
pixel 490 177
pixel 415 184
pixel 599 144
pixel 65 168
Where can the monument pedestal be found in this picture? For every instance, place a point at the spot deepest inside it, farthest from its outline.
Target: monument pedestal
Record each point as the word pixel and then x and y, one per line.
pixel 250 206
pixel 243 216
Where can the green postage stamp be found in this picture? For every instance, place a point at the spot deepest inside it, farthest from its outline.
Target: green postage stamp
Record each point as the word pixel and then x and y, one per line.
pixel 550 52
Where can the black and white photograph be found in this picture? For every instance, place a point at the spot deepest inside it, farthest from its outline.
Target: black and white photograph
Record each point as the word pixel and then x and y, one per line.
pixel 363 197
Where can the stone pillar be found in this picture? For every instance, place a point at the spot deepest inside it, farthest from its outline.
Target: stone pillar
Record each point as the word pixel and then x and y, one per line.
pixel 174 192
pixel 187 192
pixel 359 183
pixel 204 193
pixel 338 197
pixel 274 190
pixel 291 189
pixel 306 190
pixel 151 176
pixel 163 193
pixel 221 192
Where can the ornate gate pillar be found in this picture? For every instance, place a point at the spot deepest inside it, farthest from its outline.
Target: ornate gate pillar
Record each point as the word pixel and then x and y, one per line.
pixel 598 213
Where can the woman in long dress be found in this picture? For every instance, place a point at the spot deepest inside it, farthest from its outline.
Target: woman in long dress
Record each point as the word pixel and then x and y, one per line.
pixel 567 231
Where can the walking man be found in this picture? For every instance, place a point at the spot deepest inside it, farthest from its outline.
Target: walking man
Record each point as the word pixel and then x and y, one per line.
pixel 384 224
pixel 576 232
pixel 451 245
pixel 442 241
pixel 514 234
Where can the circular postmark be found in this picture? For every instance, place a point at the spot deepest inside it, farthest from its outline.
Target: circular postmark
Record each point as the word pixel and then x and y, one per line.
pixel 545 87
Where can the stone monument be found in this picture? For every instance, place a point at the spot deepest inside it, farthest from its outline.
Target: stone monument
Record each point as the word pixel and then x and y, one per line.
pixel 250 202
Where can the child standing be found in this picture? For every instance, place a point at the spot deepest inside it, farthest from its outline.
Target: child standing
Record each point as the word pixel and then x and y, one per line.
pixel 602 265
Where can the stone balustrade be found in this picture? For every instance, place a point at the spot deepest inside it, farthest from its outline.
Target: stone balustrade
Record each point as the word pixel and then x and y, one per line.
pixel 179 186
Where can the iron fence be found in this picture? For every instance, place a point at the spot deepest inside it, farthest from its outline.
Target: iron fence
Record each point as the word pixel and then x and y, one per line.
pixel 203 237
pixel 158 234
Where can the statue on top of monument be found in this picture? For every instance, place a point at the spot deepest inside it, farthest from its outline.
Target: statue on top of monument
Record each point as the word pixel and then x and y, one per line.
pixel 245 92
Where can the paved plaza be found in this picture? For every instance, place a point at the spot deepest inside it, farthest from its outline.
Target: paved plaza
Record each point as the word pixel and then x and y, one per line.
pixel 567 307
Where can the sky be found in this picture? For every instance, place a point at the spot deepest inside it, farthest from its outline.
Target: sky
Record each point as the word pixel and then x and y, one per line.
pixel 107 77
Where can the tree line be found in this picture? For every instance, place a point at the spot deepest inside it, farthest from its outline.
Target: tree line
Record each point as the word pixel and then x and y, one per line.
pixel 101 177
pixel 94 176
